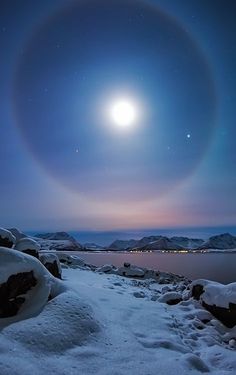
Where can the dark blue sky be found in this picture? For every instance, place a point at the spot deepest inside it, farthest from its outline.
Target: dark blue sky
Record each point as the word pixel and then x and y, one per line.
pixel 66 165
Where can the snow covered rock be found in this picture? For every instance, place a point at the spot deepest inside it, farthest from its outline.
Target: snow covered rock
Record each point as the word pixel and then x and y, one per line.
pixel 6 238
pixel 71 260
pixel 17 233
pixel 106 268
pixel 25 286
pixel 51 262
pixel 171 298
pixel 28 246
pixel 130 271
pixel 218 299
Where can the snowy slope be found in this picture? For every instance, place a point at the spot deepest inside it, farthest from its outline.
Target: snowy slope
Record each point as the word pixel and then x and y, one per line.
pixel 107 324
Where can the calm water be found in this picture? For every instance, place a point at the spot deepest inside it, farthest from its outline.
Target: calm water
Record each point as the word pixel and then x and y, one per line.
pixel 218 267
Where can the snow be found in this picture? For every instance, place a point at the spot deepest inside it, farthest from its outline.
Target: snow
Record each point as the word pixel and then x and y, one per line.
pixel 27 244
pixel 6 234
pixel 216 293
pixel 99 323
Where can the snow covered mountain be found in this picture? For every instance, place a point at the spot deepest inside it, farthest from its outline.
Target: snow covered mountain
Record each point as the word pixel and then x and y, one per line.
pixel 93 246
pixel 58 241
pixel 187 243
pixel 222 242
pixel 163 243
pixel 122 244
pixel 56 236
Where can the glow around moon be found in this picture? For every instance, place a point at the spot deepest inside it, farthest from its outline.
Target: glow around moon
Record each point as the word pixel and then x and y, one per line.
pixel 123 112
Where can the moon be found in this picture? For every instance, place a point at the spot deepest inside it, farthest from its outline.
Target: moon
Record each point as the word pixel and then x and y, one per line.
pixel 123 112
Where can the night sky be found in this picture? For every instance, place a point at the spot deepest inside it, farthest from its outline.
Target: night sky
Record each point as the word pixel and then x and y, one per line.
pixel 67 164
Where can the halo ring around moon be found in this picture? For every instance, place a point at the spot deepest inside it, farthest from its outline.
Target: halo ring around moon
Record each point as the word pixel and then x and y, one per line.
pixel 77 177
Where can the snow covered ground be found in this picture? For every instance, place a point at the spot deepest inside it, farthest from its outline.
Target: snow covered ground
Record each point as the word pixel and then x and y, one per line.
pixel 108 324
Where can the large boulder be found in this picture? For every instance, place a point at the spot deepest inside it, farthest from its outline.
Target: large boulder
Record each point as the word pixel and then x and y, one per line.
pixel 7 239
pixel 25 285
pixel 28 246
pixel 51 262
pixel 218 299
pixel 131 271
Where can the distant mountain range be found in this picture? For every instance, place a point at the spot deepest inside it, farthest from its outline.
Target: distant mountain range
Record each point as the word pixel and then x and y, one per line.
pixel 223 241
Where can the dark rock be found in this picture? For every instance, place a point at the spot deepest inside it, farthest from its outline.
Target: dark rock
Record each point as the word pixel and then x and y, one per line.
pixel 51 262
pixel 197 291
pixel 127 265
pixel 11 292
pixel 53 269
pixel 174 301
pixel 32 252
pixel 224 315
pixel 5 242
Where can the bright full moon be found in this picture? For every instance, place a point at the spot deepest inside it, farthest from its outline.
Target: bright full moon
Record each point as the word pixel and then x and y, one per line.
pixel 123 112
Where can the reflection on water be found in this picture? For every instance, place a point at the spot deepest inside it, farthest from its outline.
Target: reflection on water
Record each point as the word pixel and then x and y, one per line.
pixel 218 267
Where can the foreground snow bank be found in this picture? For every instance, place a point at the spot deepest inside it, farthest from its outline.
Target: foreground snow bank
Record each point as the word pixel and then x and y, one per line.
pixel 219 299
pixel 102 323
